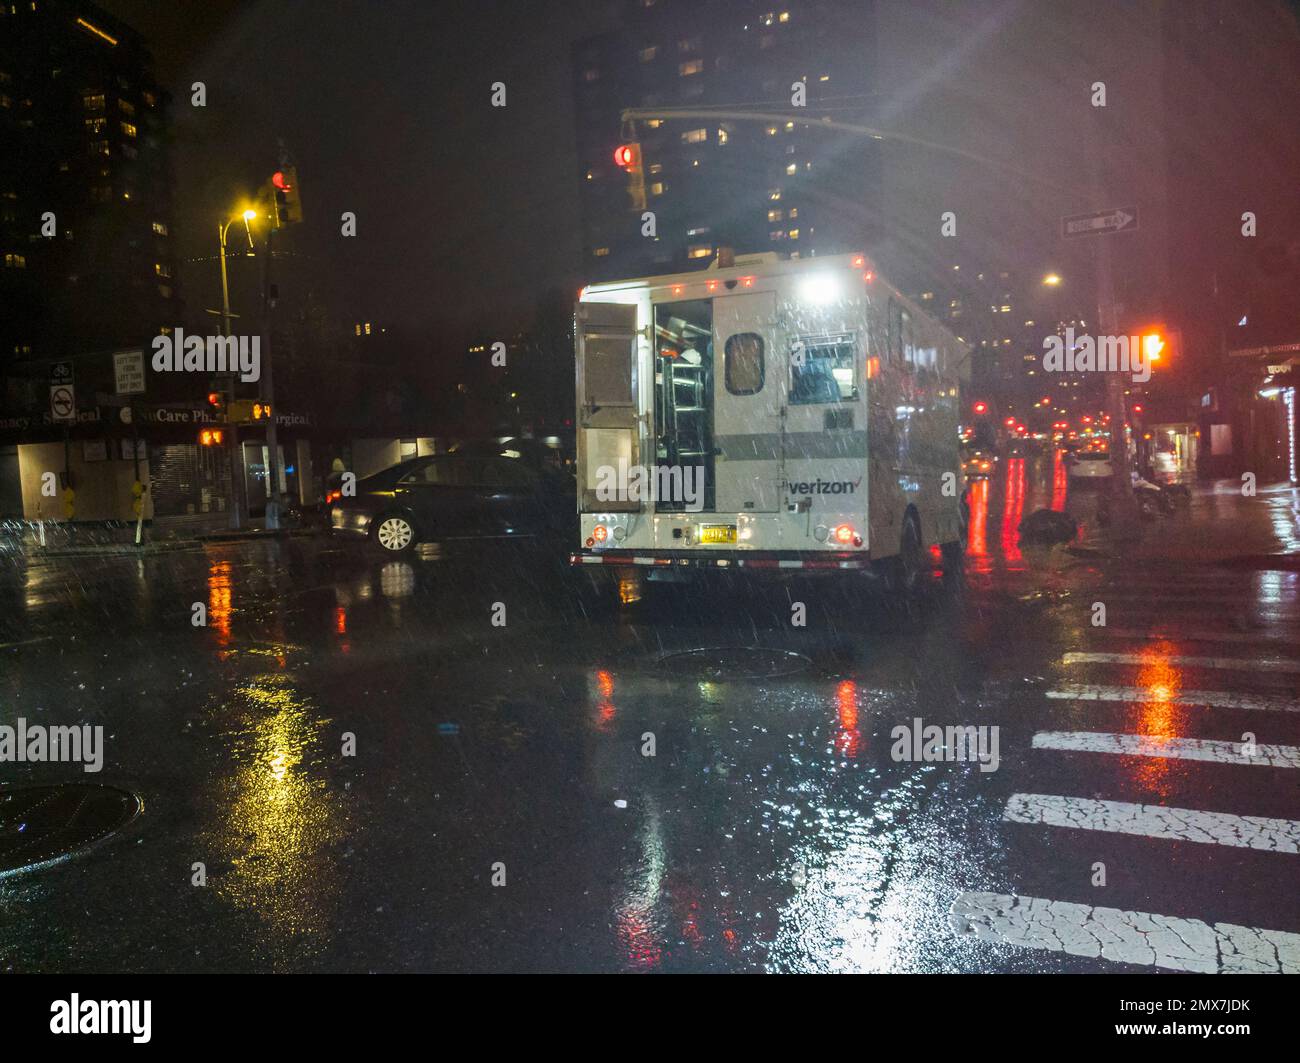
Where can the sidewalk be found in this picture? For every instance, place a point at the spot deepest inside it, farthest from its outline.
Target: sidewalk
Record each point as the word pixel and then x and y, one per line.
pixel 1220 525
pixel 56 539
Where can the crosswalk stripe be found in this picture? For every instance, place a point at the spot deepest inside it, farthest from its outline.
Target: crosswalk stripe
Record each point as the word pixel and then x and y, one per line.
pixel 1217 699
pixel 1156 821
pixel 1132 745
pixel 1244 664
pixel 1166 941
pixel 1192 636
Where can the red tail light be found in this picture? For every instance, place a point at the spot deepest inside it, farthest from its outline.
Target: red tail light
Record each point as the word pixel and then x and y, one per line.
pixel 600 533
pixel 844 534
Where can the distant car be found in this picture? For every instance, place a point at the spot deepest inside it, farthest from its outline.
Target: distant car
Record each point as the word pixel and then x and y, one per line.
pixel 979 464
pixel 457 496
pixel 1091 465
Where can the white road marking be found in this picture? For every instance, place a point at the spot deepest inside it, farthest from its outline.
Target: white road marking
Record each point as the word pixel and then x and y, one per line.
pixel 1244 664
pixel 1166 941
pixel 1156 821
pixel 1175 748
pixel 1217 699
pixel 1192 636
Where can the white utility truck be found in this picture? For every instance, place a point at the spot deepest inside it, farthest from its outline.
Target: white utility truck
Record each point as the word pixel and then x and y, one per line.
pixel 765 415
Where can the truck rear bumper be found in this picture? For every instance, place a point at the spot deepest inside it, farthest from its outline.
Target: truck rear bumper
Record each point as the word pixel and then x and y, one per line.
pixel 736 559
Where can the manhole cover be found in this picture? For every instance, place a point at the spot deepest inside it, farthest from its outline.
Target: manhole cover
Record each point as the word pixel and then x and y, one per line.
pixel 40 825
pixel 734 662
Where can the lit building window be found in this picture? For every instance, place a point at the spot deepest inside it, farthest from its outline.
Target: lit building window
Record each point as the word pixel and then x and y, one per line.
pixel 700 251
pixel 600 252
pixel 161 269
pixel 794 234
pixel 648 53
pixel 695 136
pixel 792 168
pixel 13 261
pixel 591 74
pixel 95 125
pixel 126 107
pixel 723 136
pixel 691 66
pixel 657 188
pixel 774 194
pixel 775 215
pixel 128 129
pixel 93 103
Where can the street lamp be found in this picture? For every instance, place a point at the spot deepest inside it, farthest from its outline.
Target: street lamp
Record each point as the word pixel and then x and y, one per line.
pixel 1052 280
pixel 236 449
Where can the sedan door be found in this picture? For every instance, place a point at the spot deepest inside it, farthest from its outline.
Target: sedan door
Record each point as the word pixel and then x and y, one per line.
pixel 442 498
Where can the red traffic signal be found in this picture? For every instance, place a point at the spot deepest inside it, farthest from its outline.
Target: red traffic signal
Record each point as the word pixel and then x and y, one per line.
pixel 627 156
pixel 214 398
pixel 280 181
pixel 981 407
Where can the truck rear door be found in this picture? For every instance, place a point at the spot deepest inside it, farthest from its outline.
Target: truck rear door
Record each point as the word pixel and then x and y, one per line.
pixel 608 425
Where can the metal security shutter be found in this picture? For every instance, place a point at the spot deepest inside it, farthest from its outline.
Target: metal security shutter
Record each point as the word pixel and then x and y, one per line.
pixel 188 480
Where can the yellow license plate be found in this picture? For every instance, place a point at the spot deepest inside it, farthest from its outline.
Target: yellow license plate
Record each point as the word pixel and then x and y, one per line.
pixel 718 533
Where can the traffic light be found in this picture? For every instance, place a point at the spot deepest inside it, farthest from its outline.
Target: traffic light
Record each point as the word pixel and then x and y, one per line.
pixel 217 401
pixel 288 205
pixel 261 411
pixel 981 408
pixel 628 156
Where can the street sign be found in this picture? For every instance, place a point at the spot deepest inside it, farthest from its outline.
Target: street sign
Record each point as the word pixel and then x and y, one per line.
pixel 61 373
pixel 1100 222
pixel 63 407
pixel 128 372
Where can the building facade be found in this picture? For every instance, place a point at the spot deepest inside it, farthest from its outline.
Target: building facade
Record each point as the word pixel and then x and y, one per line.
pixel 720 173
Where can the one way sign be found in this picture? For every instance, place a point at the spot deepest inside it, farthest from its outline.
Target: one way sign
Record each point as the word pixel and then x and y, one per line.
pixel 1100 222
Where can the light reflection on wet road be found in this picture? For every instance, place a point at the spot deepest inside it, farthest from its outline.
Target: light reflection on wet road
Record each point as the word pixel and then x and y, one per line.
pixel 772 829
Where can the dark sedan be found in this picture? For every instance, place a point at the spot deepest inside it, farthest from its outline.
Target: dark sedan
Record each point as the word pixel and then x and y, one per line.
pixel 457 496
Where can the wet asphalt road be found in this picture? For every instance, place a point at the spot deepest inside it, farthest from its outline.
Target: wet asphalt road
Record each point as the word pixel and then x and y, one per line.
pixel 771 830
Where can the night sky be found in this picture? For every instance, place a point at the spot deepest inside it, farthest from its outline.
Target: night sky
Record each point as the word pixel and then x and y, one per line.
pixel 465 213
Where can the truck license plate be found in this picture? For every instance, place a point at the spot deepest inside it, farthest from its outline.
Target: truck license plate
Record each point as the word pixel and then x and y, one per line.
pixel 718 533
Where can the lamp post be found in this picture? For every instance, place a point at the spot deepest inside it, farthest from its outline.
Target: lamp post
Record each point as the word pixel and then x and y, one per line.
pixel 236 448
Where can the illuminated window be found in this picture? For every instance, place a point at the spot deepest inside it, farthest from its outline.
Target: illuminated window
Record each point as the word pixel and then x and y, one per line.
pixel 600 252
pixel 695 136
pixel 95 125
pixel 794 212
pixel 691 66
pixel 657 188
pixel 794 234
pixel 126 107
pixel 591 74
pixel 792 168
pixel 161 269
pixel 656 167
pixel 723 136
pixel 15 261
pixel 774 194
pixel 700 251
pixel 128 129
pixel 93 103
pixel 648 53
pixel 775 215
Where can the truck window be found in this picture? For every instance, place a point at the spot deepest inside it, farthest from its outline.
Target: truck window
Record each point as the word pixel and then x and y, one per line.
pixel 744 363
pixel 823 370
